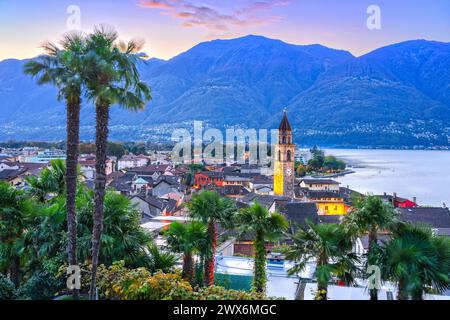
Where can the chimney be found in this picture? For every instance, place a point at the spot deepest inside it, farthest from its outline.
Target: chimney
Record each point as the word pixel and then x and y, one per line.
pixel 394 198
pixel 414 199
pixel 444 205
pixel 385 194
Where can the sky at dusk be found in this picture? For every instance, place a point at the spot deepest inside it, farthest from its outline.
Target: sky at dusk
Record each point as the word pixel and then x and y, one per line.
pixel 170 27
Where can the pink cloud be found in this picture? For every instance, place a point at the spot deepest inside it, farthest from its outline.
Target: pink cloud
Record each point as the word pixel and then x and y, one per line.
pixel 156 4
pixel 252 13
pixel 263 5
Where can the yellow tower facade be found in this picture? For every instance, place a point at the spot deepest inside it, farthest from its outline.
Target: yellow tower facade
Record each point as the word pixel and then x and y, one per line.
pixel 284 176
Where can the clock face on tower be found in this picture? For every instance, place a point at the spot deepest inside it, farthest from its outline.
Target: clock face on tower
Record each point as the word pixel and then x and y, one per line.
pixel 289 187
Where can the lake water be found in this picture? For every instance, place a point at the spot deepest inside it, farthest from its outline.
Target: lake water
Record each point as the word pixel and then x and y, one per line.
pixel 421 174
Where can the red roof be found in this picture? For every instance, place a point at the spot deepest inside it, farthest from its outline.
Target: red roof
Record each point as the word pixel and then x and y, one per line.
pixel 152 168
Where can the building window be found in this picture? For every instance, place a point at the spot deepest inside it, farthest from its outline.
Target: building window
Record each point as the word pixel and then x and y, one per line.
pixel 289 155
pixel 284 140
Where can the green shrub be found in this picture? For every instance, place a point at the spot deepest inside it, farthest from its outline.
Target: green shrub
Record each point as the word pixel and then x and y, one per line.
pixel 119 283
pixel 160 286
pixel 41 286
pixel 7 289
pixel 220 293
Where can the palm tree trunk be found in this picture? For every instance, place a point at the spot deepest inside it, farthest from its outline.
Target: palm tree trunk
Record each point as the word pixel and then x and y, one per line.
pixel 188 268
pixel 73 140
pixel 199 270
pixel 374 294
pixel 417 294
pixel 322 292
pixel 402 292
pixel 101 141
pixel 210 257
pixel 15 271
pixel 322 288
pixel 259 280
pixel 300 293
pixel 373 240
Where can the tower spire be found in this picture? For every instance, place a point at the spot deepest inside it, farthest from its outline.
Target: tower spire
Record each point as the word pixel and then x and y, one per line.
pixel 285 125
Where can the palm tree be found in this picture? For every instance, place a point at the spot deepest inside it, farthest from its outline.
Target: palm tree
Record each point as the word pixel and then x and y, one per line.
pixel 330 245
pixel 46 239
pixel 15 214
pixel 122 237
pixel 371 215
pixel 417 259
pixel 264 225
pixel 113 79
pixel 50 180
pixel 160 260
pixel 65 68
pixel 41 186
pixel 59 170
pixel 210 208
pixel 186 238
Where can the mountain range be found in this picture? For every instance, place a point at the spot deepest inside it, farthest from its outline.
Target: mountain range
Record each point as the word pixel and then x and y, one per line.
pixel 395 96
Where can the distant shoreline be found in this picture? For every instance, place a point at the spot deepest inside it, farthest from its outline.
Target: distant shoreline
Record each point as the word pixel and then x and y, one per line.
pixel 32 142
pixel 334 175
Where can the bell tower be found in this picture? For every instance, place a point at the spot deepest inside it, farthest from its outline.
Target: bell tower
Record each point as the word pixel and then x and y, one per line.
pixel 284 176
